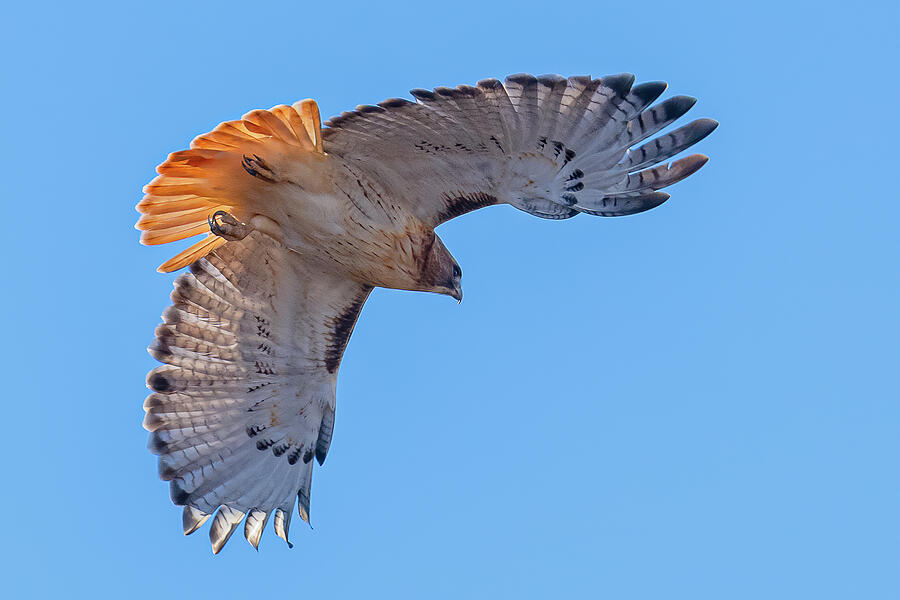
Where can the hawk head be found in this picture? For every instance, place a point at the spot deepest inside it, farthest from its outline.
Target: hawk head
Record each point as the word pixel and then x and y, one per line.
pixel 440 273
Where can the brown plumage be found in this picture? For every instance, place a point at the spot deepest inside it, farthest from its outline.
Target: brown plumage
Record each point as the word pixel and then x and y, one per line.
pixel 300 223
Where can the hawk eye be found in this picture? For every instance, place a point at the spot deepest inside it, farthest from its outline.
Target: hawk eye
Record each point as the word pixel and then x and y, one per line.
pixel 457 272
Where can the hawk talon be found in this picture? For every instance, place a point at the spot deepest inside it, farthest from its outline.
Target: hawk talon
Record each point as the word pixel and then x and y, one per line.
pixel 257 167
pixel 226 226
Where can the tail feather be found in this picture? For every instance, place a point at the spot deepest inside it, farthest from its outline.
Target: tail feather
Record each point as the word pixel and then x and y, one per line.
pixel 166 234
pixel 170 204
pixel 312 121
pixel 193 184
pixel 172 218
pixel 263 122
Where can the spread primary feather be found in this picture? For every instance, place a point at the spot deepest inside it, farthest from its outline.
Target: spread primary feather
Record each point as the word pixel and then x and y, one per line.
pixel 251 346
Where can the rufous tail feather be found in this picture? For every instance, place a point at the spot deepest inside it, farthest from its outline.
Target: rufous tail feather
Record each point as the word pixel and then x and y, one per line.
pixel 193 184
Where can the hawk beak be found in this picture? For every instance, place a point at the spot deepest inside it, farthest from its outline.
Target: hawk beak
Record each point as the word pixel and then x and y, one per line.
pixel 457 293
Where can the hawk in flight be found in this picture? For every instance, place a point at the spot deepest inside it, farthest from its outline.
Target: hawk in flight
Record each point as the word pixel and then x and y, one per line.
pixel 302 222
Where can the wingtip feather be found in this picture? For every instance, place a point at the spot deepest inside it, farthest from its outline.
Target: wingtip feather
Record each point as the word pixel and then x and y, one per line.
pixel 192 519
pixel 223 525
pixel 254 526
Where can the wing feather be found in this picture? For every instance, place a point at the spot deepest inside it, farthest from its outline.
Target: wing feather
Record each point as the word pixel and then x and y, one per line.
pixel 550 146
pixel 245 399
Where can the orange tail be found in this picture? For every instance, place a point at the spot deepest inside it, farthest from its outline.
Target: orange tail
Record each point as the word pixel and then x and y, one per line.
pixel 193 184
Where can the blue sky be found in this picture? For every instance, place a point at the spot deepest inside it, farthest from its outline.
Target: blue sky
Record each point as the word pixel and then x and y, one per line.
pixel 698 402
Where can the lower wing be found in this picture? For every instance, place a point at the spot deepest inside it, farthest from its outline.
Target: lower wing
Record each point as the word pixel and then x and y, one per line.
pixel 246 398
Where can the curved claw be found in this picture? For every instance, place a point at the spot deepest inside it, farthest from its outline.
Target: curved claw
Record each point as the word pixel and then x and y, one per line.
pixel 226 226
pixel 256 166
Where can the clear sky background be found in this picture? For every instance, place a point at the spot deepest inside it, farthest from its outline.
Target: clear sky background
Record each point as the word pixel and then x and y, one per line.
pixel 698 402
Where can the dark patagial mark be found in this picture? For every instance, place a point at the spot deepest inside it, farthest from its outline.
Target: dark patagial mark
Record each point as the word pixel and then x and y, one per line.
pixel 460 205
pixel 342 328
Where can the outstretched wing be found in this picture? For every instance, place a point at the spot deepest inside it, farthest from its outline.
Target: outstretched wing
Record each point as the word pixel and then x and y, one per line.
pixel 550 146
pixel 246 398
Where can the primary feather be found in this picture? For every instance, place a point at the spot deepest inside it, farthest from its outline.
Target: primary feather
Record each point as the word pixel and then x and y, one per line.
pixel 550 146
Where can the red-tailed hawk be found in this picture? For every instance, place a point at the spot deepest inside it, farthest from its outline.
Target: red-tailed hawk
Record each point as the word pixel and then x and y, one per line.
pixel 302 223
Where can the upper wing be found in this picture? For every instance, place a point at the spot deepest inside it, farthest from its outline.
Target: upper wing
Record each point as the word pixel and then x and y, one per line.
pixel 550 146
pixel 252 346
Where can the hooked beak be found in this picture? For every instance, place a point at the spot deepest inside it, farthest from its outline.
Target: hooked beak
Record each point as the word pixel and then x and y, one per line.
pixel 457 293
